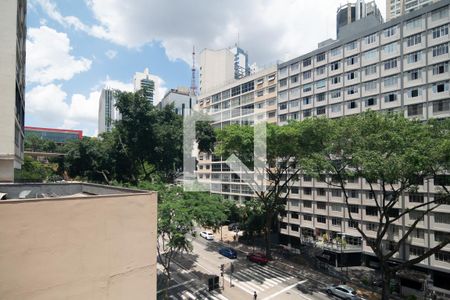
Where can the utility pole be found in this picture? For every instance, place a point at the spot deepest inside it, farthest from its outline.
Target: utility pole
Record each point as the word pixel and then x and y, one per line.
pixel 231 273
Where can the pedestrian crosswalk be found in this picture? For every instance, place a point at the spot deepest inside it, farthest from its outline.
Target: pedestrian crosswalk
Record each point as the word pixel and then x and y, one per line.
pixel 258 278
pixel 199 293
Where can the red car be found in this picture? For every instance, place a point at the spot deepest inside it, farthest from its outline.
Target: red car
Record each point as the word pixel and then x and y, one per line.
pixel 258 258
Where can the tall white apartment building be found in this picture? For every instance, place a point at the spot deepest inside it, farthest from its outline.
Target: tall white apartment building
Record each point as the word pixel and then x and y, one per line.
pixel 181 99
pixel 401 65
pixel 396 8
pixel 107 112
pixel 148 83
pixel 12 86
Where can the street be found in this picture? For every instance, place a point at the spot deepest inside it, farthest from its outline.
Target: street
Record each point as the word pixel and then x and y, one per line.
pixel 273 281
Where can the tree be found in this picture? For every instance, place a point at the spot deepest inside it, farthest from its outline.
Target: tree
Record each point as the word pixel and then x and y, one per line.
pixel 392 154
pixel 33 171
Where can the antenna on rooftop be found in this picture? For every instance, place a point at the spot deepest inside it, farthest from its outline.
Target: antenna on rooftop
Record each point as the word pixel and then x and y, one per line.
pixel 193 90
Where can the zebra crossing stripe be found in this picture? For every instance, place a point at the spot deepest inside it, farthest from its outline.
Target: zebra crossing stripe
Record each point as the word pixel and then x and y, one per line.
pixel 189 295
pixel 219 296
pixel 275 281
pixel 274 276
pixel 248 279
pixel 276 271
pixel 260 279
pixel 240 284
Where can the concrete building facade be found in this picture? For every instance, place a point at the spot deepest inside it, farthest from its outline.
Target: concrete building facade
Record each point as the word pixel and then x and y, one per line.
pixel 148 83
pixel 107 111
pixel 77 241
pixel 396 8
pixel 12 86
pixel 180 98
pixel 399 66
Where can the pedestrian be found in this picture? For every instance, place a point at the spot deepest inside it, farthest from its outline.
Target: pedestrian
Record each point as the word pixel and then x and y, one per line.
pixel 255 296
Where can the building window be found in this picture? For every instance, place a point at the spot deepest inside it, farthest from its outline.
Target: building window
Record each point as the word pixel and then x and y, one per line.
pixel 370 39
pixel 372 226
pixel 306 100
pixel 442 256
pixel 414 74
pixel 335 66
pixel 336 193
pixel 351 46
pixel 390 48
pixel 320 97
pixel 307 204
pixel 320 110
pixel 371 102
pixel 260 93
pixel 320 57
pixel 335 51
pixel 321 219
pixel 336 221
pixel 307 113
pixel 294 103
pixel 320 84
pixel 414 40
pixel 371 85
pixel 306 75
pixel 390 31
pixel 372 54
pixel 306 62
pixel 336 207
pixel 282 106
pixel 307 217
pixel 307 191
pixel 414 23
pixel 335 108
pixel 320 71
pixel 336 80
pixel 415 110
pixel 440 87
pixel 352 60
pixel 321 192
pixel 294 190
pixel 416 198
pixel 353 209
pixel 248 86
pixel 390 64
pixel 352 75
pixel 352 224
pixel 440 68
pixel 321 205
pixel 283 82
pixel 294 227
pixel 295 66
pixel 283 118
pixel 236 90
pixel 440 31
pixel 440 14
pixel 390 97
pixel 271 89
pixel 390 81
pixel 372 69
pixel 294 215
pixel 442 218
pixel 440 49
pixel 416 251
pixel 335 94
pixel 414 57
pixel 307 88
pixel 352 90
pixel 371 211
pixel 352 105
pixel 353 194
pixel 441 106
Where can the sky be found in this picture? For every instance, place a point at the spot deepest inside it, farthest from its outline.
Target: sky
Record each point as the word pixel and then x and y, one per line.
pixel 76 48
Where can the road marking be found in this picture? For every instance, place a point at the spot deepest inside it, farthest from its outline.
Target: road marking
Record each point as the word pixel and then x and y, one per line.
pixel 189 295
pixel 176 285
pixel 287 289
pixel 245 279
pixel 220 296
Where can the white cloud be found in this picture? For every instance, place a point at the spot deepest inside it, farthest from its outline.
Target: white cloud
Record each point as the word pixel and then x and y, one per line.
pixel 111 53
pixel 47 102
pixel 49 58
pixel 268 30
pixel 115 84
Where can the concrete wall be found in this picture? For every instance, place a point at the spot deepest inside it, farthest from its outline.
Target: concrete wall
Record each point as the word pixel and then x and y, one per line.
pixel 99 247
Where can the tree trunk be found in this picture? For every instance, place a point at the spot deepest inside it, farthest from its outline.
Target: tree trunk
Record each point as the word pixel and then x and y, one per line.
pixel 386 273
pixel 267 235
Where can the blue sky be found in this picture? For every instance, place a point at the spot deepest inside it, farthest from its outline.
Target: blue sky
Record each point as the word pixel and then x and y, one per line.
pixel 75 48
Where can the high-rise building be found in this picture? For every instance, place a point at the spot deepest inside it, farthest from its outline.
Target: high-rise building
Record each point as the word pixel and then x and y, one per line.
pixel 107 112
pixel 396 8
pixel 12 85
pixel 148 83
pixel 352 12
pixel 219 67
pixel 180 98
pixel 401 66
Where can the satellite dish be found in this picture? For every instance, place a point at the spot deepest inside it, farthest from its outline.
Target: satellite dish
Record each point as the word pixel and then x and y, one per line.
pixel 24 194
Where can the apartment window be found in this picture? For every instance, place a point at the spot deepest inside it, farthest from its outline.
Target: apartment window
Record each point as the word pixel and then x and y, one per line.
pixel 294 215
pixel 307 113
pixel 440 68
pixel 307 217
pixel 372 226
pixel 321 205
pixel 321 219
pixel 336 193
pixel 415 110
pixel 307 178
pixel 336 207
pixel 413 93
pixel 306 62
pixel 369 70
pixel 293 116
pixel 371 85
pixel 248 86
pixel 416 198
pixel 440 236
pixel 282 106
pixel 320 110
pixel 271 89
pixel 351 46
pixel 294 103
pixel 414 40
pixel 236 90
pixel 283 72
pixel 283 82
pixel 283 118
pixel 440 31
pixel 271 115
pixel 352 75
pixel 372 54
pixel 335 66
pixel 353 194
pixel 442 256
pixel 353 209
pixel 321 192
pixel 390 81
pixel 442 218
pixel 320 71
pixel 352 224
pixel 416 251
pixel 352 60
pixel 352 105
pixel 295 66
pixel 390 31
pixel 440 14
pixel 307 191
pixel 283 225
pixel 371 211
pixel 414 215
pixel 414 23
pixel 320 57
pixel 307 204
pixel 440 50
pixel 307 88
pixel 335 108
pixel 320 97
pixel 320 84
pixel 414 57
pixel 335 51
pixel 260 93
pixel 294 227
pixel 371 102
pixel 336 221
pixel 390 48
pixel 352 90
pixel 414 74
pixel 306 75
pixel 390 97
pixel 370 39
pixel 441 106
pixel 390 64
pixel 294 79
pixel 335 94
pixel 271 77
pixel 306 100
pixel 440 87
pixel 335 80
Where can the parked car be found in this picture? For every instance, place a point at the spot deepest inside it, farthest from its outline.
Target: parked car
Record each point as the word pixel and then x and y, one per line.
pixel 207 235
pixel 258 258
pixel 342 291
pixel 228 252
pixel 233 227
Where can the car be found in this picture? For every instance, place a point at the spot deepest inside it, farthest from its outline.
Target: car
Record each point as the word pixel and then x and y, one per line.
pixel 258 258
pixel 342 291
pixel 228 252
pixel 207 235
